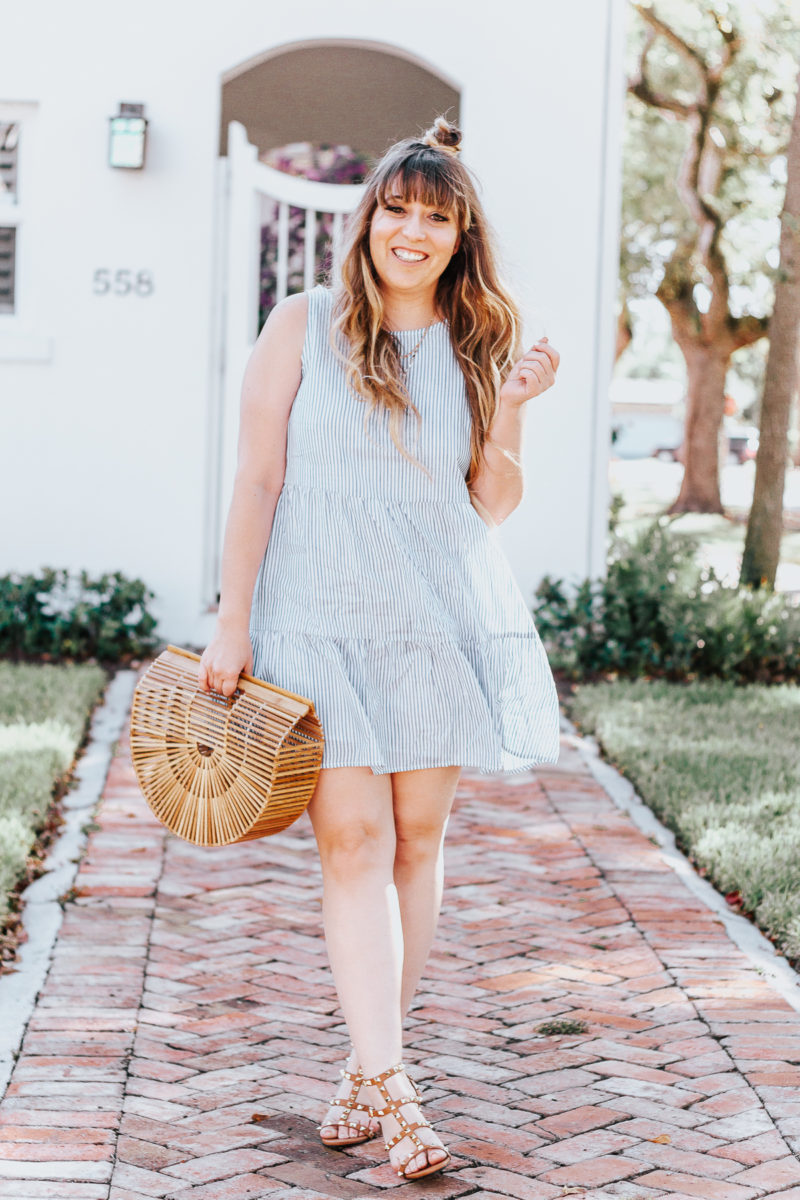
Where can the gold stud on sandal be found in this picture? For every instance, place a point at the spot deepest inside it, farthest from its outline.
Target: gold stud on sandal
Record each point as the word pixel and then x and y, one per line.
pixel 351 1104
pixel 391 1106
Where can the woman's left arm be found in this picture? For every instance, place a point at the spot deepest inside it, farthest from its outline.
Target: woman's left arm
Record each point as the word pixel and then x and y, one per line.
pixel 499 485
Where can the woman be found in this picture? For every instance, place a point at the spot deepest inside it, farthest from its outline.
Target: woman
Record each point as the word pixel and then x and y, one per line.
pixel 371 418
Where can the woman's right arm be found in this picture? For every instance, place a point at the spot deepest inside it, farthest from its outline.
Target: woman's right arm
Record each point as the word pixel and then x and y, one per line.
pixel 269 386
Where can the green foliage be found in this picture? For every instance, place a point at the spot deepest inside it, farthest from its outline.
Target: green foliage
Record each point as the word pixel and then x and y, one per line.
pixel 748 133
pixel 720 765
pixel 562 1027
pixel 57 615
pixel 657 612
pixel 43 714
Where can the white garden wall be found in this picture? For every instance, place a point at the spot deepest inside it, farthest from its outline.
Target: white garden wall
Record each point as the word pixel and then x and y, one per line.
pixel 108 400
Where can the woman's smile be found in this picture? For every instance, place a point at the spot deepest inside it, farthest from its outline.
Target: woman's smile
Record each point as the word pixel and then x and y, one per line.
pixel 411 243
pixel 408 256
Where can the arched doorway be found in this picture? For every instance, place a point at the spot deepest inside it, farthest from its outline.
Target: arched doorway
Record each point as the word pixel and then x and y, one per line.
pixel 362 95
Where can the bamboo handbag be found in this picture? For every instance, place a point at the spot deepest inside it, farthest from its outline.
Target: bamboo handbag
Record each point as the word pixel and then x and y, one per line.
pixel 220 769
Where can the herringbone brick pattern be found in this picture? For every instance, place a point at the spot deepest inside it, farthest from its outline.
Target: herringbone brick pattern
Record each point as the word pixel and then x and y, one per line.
pixel 188 1034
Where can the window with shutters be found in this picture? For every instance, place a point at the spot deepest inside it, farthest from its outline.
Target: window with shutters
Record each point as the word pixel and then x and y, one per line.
pixel 9 213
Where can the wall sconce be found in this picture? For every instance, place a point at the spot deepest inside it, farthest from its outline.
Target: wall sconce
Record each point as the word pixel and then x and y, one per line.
pixel 127 136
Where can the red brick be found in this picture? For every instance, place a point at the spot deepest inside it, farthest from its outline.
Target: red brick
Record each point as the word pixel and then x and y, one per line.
pixel 755 1150
pixel 219 1002
pixel 578 1120
pixel 240 1187
pixel 729 1104
pixel 776 1174
pixel 39 1189
pixel 594 1172
pixel 592 1145
pixel 632 1070
pixel 516 1139
pixel 507 1183
pixel 676 1158
pixel 692 1185
pixel 210 1167
pixel 46 1152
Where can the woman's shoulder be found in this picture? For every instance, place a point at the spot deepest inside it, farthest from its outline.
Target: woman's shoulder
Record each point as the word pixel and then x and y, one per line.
pixel 290 311
pixel 287 322
pixel 297 323
pixel 293 312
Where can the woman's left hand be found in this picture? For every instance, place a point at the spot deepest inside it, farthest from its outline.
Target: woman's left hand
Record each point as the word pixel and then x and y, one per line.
pixel 532 374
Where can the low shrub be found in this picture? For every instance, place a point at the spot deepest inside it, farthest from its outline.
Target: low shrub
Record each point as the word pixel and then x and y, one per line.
pixel 57 615
pixel 44 710
pixel 657 612
pixel 720 765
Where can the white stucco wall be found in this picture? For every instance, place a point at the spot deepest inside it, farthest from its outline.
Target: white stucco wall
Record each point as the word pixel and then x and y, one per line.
pixel 105 398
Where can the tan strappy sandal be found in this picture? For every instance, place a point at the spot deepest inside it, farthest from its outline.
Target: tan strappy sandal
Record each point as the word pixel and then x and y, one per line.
pixel 350 1105
pixel 391 1107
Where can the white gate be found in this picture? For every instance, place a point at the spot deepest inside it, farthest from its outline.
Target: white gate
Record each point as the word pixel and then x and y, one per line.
pixel 248 194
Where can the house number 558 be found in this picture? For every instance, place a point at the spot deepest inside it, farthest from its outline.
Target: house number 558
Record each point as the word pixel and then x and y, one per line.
pixel 122 282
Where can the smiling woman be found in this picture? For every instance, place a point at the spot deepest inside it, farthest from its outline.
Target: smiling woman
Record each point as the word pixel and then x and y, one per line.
pixel 373 586
pixel 410 244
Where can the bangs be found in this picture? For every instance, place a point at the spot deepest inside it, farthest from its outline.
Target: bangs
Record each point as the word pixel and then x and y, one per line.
pixel 430 178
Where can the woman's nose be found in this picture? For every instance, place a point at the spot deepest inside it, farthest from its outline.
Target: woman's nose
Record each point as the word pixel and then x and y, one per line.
pixel 413 227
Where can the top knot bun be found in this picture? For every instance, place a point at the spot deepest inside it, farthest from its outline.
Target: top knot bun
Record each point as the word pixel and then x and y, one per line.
pixel 443 136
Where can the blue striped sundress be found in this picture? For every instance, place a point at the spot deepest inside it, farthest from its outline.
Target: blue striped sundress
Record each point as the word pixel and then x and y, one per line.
pixel 383 595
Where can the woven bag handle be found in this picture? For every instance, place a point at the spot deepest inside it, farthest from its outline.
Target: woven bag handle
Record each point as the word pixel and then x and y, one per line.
pixel 259 683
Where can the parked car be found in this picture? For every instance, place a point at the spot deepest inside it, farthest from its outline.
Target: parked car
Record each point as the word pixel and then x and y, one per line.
pixel 742 446
pixel 742 443
pixel 671 453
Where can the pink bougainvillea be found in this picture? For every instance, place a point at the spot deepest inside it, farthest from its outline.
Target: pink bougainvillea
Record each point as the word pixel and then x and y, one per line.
pixel 326 164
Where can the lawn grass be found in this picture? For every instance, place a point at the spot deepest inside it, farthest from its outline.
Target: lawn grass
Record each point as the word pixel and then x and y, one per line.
pixel 44 710
pixel 719 764
pixel 649 487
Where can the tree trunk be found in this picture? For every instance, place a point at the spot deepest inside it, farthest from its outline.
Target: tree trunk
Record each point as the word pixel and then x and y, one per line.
pixel 707 369
pixel 765 525
pixel 624 331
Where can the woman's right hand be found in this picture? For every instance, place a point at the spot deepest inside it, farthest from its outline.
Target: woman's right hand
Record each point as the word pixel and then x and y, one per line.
pixel 228 654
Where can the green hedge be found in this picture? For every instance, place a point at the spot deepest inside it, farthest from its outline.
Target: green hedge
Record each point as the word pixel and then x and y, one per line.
pixel 44 710
pixel 657 612
pixel 57 615
pixel 720 765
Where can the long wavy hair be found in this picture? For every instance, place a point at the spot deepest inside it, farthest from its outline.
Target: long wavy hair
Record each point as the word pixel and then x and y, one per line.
pixel 483 318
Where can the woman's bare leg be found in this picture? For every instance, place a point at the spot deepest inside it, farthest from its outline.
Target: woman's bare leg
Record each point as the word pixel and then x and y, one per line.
pixel 421 804
pixel 422 801
pixel 353 820
pixel 403 907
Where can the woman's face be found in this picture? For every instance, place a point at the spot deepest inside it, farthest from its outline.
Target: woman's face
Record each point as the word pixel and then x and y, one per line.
pixel 411 243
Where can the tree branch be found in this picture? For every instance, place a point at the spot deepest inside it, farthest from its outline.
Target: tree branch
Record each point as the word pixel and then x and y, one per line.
pixel 746 330
pixel 643 90
pixel 731 44
pixel 666 31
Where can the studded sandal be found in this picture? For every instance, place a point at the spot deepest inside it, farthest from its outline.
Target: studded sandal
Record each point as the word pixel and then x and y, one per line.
pixel 391 1106
pixel 351 1104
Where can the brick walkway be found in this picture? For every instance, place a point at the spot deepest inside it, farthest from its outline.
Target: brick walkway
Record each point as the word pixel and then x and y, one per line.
pixel 188 1034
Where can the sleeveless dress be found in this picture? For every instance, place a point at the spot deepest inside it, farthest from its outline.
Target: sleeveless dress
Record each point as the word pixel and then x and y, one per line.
pixel 383 596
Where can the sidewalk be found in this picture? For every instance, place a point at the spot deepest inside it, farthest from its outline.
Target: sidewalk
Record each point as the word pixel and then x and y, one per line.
pixel 188 1036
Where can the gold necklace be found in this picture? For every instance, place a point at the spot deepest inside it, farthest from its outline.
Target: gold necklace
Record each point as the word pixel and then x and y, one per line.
pixel 412 353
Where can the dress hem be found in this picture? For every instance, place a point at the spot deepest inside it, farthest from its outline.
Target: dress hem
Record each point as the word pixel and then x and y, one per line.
pixel 526 765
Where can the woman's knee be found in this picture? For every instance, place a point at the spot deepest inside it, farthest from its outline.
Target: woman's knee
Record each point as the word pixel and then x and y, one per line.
pixel 422 804
pixel 351 814
pixel 418 838
pixel 358 848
